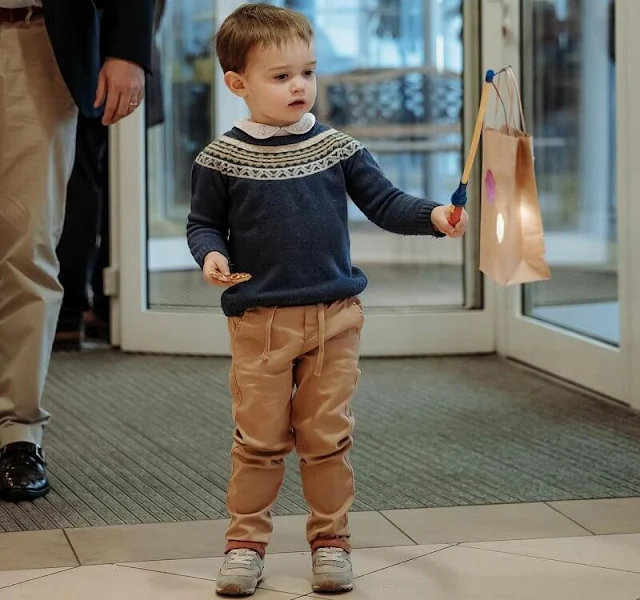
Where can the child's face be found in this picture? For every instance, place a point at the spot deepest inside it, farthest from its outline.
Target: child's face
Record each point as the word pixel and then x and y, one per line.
pixel 279 84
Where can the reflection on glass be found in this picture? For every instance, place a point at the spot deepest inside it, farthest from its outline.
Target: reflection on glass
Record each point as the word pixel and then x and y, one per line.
pixel 390 74
pixel 569 93
pixel 187 85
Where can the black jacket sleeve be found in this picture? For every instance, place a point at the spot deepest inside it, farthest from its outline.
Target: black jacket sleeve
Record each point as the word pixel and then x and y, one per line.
pixel 127 27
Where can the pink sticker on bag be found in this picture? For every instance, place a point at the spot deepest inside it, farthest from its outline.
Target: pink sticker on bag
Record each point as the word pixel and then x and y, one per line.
pixel 490 183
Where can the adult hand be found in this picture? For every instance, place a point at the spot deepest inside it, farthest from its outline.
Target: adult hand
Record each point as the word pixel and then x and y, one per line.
pixel 121 87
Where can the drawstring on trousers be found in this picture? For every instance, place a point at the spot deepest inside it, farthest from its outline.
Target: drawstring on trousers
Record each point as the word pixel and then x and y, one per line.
pixel 321 332
pixel 269 326
pixel 321 335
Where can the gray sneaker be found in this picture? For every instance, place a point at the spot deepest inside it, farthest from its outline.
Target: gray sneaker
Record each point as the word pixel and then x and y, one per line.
pixel 240 574
pixel 332 571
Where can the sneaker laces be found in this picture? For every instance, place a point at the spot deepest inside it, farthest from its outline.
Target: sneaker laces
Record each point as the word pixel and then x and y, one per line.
pixel 241 558
pixel 325 555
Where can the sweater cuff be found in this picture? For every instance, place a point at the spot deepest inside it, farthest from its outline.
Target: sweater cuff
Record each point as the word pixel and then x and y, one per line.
pixel 424 220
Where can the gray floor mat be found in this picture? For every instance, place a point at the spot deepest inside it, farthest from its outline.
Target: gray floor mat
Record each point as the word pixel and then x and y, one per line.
pixel 145 439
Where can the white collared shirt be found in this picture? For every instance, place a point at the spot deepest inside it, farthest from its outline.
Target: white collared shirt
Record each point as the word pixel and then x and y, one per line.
pixel 262 132
pixel 19 3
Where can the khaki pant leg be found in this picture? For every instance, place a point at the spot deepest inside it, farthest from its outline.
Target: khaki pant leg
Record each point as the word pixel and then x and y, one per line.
pixel 323 421
pixel 264 343
pixel 37 141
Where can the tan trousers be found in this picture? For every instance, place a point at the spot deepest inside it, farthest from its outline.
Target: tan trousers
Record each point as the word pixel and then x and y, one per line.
pixel 294 371
pixel 37 142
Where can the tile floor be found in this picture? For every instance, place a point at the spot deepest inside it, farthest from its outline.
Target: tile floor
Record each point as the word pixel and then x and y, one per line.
pixel 558 551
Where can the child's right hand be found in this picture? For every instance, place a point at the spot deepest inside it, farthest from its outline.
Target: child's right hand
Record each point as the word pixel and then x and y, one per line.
pixel 216 271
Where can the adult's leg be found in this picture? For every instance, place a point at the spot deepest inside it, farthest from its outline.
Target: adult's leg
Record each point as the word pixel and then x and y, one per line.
pixel 78 247
pixel 100 309
pixel 37 128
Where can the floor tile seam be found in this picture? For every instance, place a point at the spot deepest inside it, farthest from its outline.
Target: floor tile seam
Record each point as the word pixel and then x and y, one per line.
pixel 546 558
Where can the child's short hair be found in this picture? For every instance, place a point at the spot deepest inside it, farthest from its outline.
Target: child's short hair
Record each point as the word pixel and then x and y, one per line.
pixel 253 25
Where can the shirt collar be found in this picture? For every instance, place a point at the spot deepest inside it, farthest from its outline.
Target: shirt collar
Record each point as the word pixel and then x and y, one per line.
pixel 262 132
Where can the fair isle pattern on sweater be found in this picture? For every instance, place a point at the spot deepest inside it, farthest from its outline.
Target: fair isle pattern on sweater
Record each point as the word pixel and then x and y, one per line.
pixel 242 160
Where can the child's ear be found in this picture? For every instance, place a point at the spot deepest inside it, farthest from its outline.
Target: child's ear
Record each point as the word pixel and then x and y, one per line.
pixel 236 84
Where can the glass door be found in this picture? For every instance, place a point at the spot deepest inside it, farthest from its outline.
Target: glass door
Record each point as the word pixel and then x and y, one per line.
pixel 575 91
pixel 401 76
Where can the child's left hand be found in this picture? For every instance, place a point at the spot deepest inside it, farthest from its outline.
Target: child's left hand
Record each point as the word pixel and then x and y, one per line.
pixel 440 219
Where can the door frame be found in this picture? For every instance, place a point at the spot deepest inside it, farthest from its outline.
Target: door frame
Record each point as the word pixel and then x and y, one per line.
pixel 597 366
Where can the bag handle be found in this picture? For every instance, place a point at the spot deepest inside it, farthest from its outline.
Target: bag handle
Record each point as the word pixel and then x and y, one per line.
pixel 516 88
pixel 512 90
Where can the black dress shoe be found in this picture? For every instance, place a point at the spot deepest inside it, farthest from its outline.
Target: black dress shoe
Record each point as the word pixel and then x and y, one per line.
pixel 22 472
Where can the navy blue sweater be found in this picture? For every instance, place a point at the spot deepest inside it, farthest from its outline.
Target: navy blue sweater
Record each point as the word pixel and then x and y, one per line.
pixel 277 209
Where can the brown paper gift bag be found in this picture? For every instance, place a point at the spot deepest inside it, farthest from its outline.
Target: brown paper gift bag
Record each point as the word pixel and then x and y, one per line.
pixel 511 234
